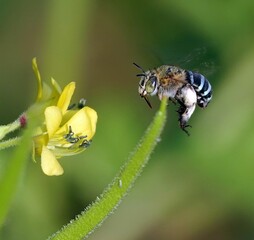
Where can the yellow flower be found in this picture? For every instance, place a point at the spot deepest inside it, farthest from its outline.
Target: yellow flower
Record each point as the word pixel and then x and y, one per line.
pixel 64 132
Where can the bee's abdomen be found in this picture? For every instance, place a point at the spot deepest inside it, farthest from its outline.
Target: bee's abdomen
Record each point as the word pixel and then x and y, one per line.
pixel 202 87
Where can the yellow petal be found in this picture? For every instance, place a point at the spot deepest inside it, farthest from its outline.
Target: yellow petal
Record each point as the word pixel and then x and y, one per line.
pixel 38 76
pixel 49 164
pixel 53 118
pixel 83 123
pixel 65 98
pixel 92 114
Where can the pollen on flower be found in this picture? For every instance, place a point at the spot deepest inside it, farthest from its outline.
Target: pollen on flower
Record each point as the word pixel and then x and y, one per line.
pixel 81 140
pixel 23 120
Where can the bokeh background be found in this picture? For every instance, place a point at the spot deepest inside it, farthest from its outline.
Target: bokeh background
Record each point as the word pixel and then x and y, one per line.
pixel 197 187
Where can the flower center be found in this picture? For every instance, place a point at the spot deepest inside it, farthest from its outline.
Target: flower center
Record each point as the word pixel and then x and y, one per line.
pixel 70 138
pixel 68 144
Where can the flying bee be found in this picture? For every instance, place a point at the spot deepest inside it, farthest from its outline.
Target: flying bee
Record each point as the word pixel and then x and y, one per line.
pixel 184 87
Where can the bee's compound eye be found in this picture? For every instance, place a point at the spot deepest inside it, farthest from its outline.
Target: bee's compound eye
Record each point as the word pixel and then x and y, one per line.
pixel 151 84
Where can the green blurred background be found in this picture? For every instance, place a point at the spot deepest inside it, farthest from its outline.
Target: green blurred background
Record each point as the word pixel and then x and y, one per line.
pixel 197 187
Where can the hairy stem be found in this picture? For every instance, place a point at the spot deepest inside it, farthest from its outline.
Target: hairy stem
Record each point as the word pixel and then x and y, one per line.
pixel 5 129
pixel 10 143
pixel 104 205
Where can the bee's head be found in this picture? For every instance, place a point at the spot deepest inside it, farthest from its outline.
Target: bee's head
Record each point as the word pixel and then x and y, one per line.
pixel 147 84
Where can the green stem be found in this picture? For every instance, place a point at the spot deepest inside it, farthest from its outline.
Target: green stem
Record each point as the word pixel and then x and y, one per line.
pixel 97 212
pixel 10 143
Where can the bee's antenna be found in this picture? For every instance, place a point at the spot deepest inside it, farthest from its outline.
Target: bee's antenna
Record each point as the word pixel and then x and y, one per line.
pixel 141 75
pixel 147 101
pixel 144 73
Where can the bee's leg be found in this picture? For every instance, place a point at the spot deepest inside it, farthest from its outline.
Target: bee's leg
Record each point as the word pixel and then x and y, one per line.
pixel 181 109
pixel 183 125
pixel 182 118
pixel 173 101
pixel 187 98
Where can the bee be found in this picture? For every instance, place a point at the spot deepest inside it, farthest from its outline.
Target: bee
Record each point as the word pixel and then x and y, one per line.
pixel 184 87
